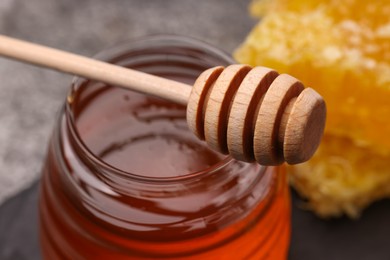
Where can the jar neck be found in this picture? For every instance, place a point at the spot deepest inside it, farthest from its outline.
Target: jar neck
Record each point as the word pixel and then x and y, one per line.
pixel 130 183
pixel 196 203
pixel 174 57
pixel 125 182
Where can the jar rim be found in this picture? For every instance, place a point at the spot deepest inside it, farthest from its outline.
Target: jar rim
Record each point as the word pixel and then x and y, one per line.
pixel 110 54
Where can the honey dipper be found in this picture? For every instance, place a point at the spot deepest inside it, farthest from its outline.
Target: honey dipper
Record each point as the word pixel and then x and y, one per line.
pixel 254 114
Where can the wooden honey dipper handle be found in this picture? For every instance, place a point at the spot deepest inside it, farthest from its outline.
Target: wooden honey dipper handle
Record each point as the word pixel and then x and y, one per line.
pixel 94 69
pixel 254 114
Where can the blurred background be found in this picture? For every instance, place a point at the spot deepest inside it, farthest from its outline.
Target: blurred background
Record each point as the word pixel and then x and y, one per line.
pixel 340 48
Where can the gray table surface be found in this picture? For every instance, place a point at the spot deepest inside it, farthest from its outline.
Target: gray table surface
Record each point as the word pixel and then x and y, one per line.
pixel 31 96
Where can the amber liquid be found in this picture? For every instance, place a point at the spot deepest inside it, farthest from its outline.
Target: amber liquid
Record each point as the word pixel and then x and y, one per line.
pixel 142 135
pixel 87 215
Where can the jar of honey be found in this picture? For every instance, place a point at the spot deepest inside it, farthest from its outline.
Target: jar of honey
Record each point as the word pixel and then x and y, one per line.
pixel 124 178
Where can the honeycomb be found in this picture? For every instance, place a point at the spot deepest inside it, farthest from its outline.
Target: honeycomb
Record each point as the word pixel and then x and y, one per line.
pixel 341 49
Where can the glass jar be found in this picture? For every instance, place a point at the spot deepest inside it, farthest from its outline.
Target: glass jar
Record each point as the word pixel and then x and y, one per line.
pixel 125 179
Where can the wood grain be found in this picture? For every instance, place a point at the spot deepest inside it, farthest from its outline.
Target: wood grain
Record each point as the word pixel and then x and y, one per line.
pixel 219 103
pixel 245 105
pixel 267 148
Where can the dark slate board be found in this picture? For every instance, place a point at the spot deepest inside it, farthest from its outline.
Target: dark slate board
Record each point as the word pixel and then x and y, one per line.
pixel 19 226
pixel 312 238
